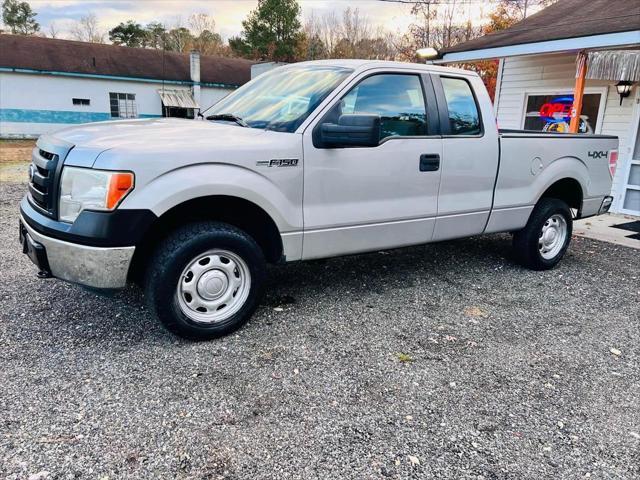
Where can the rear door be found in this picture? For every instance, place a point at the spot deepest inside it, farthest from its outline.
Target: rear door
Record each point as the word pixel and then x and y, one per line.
pixel 470 156
pixel 368 198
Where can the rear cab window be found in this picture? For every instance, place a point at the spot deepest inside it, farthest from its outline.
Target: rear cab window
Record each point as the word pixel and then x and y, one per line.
pixel 463 113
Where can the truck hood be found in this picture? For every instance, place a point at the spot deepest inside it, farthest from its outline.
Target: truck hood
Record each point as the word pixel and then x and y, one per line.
pixel 155 148
pixel 162 135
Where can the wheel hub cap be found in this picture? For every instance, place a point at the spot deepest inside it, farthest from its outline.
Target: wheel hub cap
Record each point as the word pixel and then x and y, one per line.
pixel 552 236
pixel 549 236
pixel 213 286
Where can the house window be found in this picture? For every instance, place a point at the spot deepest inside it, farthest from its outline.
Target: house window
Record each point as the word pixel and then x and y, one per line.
pixel 123 105
pixel 85 102
pixel 552 112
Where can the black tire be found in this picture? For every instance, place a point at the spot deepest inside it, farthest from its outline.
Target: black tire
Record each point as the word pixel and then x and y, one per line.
pixel 526 241
pixel 176 252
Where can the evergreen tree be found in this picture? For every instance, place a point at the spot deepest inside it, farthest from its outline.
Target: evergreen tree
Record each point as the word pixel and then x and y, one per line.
pixel 129 34
pixel 19 17
pixel 273 31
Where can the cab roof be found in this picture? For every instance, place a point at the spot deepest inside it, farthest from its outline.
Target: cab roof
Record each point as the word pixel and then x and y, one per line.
pixel 371 64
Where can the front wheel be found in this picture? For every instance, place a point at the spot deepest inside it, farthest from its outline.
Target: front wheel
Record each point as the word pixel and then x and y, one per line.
pixel 542 243
pixel 205 280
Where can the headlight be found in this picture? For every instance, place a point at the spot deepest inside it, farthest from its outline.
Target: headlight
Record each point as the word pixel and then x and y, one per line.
pixel 87 189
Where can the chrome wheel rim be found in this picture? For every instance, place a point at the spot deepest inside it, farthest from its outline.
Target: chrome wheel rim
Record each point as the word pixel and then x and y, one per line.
pixel 213 286
pixel 552 236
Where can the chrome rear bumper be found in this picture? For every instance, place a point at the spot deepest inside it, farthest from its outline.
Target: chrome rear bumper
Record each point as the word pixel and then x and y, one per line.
pixel 606 205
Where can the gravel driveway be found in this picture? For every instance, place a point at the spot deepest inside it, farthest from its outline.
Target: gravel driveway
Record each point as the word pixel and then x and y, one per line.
pixel 442 361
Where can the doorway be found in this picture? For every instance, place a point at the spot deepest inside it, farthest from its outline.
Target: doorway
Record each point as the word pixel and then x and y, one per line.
pixel 631 188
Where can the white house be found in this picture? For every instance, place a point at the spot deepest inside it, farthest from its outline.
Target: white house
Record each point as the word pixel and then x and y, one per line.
pixel 537 77
pixel 47 84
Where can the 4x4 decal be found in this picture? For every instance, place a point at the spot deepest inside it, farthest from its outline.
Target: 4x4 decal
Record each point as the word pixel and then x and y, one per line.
pixel 598 154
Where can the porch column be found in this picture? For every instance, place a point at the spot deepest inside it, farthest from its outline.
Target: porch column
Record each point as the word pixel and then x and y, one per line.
pixel 578 91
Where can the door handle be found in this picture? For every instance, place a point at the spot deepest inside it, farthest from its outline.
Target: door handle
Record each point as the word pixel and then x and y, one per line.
pixel 429 162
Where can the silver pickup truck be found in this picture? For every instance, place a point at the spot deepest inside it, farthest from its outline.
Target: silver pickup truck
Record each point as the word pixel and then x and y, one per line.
pixel 307 161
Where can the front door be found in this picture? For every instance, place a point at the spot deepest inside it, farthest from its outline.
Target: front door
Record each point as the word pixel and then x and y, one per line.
pixel 369 198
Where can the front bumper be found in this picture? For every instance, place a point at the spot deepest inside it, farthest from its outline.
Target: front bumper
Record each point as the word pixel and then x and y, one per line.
pixel 96 267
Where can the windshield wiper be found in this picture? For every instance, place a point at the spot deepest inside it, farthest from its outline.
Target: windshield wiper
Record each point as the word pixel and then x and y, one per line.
pixel 230 117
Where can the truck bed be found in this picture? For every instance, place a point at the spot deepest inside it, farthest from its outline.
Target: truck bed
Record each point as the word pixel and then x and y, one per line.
pixel 532 161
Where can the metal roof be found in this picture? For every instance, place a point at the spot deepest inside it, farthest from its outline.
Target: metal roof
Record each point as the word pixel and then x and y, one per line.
pixel 81 58
pixel 566 19
pixel 614 65
pixel 177 98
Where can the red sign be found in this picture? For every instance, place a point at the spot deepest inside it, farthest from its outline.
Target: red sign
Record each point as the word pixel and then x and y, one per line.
pixel 555 110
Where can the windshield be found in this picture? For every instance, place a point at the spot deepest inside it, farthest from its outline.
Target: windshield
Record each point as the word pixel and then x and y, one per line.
pixel 283 98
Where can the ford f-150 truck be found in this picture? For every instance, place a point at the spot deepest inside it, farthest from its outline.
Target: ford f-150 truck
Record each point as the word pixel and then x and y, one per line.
pixel 307 161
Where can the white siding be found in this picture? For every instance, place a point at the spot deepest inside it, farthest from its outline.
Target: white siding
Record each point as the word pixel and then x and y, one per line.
pixel 32 94
pixel 556 73
pixel 210 96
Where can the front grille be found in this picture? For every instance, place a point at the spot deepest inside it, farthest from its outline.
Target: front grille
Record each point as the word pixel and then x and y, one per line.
pixel 42 178
pixel 46 155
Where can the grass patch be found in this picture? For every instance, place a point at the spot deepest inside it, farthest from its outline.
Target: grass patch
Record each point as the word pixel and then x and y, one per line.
pixel 404 357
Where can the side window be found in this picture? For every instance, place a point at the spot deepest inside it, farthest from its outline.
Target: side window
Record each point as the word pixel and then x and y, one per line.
pixel 463 111
pixel 398 99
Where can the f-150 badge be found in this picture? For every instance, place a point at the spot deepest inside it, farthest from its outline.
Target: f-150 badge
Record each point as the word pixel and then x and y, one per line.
pixel 278 162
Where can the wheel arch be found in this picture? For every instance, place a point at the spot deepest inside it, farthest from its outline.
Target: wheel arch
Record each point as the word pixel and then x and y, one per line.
pixel 235 211
pixel 567 189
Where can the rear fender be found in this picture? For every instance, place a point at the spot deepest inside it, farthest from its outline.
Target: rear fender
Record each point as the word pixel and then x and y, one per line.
pixel 563 168
pixel 518 192
pixel 526 189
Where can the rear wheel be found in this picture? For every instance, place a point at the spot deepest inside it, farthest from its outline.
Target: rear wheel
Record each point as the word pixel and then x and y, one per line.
pixel 205 280
pixel 542 243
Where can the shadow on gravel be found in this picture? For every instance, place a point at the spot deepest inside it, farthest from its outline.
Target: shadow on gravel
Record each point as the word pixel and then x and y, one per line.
pixel 125 314
pixel 444 260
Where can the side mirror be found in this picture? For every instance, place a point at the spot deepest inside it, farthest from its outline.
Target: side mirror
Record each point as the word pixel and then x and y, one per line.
pixel 351 131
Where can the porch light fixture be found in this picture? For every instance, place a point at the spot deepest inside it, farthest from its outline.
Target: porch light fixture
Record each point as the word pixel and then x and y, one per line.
pixel 624 89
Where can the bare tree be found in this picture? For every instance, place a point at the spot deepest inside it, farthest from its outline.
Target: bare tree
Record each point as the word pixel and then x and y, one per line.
pixel 350 36
pixel 355 27
pixel 201 22
pixel 53 31
pixel 437 23
pixel 178 37
pixel 524 8
pixel 325 28
pixel 204 37
pixel 442 23
pixel 86 30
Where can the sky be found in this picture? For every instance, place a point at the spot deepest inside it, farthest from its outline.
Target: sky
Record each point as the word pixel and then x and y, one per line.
pixel 228 14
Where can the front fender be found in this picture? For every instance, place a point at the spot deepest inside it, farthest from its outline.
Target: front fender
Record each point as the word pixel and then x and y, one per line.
pixel 281 197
